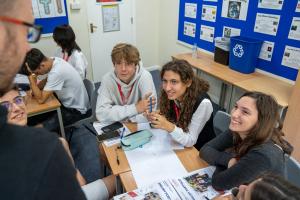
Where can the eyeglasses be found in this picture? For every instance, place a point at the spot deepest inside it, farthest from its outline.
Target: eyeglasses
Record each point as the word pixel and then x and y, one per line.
pixel 18 100
pixel 34 31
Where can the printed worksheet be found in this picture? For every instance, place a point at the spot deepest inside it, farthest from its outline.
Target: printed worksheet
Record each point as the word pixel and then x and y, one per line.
pixel 270 4
pixel 190 10
pixel 298 6
pixel 211 0
pixel 207 33
pixel 48 8
pixel 189 29
pixel 266 51
pixel 230 31
pixel 266 23
pixel 235 9
pixel 209 13
pixel 295 29
pixel 291 57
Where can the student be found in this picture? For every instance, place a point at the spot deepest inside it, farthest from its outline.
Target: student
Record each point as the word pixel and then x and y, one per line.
pixel 17 115
pixel 33 160
pixel 253 145
pixel 185 108
pixel 64 37
pixel 267 187
pixel 63 80
pixel 124 92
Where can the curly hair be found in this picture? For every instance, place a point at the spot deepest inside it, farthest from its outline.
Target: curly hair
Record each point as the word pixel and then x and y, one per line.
pixel 127 52
pixel 197 87
pixel 268 126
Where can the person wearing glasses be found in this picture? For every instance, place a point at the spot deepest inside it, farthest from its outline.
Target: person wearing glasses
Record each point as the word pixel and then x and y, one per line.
pixel 63 80
pixel 69 50
pixel 34 164
pixel 125 91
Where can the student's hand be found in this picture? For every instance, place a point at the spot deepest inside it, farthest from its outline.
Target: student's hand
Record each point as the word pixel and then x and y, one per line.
pixel 232 162
pixel 144 104
pixel 159 121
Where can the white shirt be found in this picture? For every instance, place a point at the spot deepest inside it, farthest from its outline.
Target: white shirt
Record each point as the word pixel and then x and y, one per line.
pixel 64 80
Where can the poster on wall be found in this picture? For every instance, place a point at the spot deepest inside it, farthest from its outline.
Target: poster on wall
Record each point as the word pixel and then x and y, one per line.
pixel 270 4
pixel 103 1
pixel 291 57
pixel 209 13
pixel 230 32
pixel 111 18
pixel 211 0
pixel 235 9
pixel 298 6
pixel 190 10
pixel 266 23
pixel 207 33
pixel 48 9
pixel 189 29
pixel 266 51
pixel 295 29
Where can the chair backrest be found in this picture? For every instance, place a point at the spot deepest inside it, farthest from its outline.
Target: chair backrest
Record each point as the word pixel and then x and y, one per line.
pixel 292 170
pixel 93 104
pixel 90 87
pixel 155 72
pixel 221 122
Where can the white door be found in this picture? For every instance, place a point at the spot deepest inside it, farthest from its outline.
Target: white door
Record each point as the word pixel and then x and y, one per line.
pixel 102 42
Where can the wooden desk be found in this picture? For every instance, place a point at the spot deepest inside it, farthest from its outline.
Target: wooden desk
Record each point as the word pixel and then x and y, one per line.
pixel 249 82
pixel 34 108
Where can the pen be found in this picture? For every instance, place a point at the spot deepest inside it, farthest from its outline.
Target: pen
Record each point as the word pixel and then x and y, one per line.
pixel 122 133
pixel 150 104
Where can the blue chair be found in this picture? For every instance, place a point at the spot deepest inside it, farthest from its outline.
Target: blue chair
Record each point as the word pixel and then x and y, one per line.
pixel 155 72
pixel 221 122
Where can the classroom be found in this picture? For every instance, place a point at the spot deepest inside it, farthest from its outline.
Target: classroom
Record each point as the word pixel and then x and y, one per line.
pixel 159 102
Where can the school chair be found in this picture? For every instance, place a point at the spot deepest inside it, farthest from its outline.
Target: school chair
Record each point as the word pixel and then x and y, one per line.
pixel 292 173
pixel 155 72
pixel 221 122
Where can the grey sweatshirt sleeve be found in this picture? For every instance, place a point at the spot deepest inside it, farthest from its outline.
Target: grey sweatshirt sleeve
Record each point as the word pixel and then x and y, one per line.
pixel 214 153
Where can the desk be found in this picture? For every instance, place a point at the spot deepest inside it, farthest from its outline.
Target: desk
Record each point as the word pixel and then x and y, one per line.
pixel 34 108
pixel 249 82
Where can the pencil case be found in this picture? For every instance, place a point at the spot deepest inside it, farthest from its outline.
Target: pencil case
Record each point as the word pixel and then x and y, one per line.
pixel 136 139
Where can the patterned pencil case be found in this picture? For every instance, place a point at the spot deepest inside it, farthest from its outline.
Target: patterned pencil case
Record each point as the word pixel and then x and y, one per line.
pixel 136 139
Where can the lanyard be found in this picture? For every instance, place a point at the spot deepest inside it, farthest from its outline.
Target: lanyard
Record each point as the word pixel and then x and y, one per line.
pixel 65 56
pixel 177 111
pixel 124 99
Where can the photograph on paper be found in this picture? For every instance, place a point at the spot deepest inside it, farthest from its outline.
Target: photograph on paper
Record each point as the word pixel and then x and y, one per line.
pixel 190 10
pixel 266 51
pixel 41 9
pixel 209 13
pixel 295 29
pixel 291 57
pixel 270 4
pixel 230 31
pixel 207 33
pixel 189 29
pixel 266 23
pixel 235 9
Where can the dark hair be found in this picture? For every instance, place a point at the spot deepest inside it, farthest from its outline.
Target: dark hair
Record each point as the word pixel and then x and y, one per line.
pixel 268 126
pixel 274 187
pixel 33 58
pixel 65 37
pixel 127 52
pixel 197 87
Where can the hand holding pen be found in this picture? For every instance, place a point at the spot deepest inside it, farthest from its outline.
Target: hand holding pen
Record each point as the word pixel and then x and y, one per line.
pixel 144 104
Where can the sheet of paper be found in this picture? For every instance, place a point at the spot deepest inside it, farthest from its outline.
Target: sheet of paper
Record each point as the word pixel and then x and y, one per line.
pixel 190 10
pixel 295 29
pixel 298 6
pixel 48 8
pixel 230 31
pixel 207 33
pixel 266 51
pixel 209 13
pixel 189 29
pixel 20 78
pixel 291 57
pixel 266 23
pixel 143 126
pixel 235 9
pixel 211 0
pixel 270 4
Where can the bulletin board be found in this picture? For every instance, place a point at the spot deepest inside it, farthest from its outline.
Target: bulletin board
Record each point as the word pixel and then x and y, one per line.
pixel 275 22
pixel 49 14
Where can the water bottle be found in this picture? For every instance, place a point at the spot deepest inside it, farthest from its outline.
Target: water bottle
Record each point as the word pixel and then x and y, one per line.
pixel 195 48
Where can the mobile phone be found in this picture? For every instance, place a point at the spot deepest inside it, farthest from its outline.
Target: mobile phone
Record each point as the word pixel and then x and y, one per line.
pixel 112 127
pixel 108 135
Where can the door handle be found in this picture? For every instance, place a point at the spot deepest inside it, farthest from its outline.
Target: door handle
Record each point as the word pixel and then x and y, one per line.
pixel 92 27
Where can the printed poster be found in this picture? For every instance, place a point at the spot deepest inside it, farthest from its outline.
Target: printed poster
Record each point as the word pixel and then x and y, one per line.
pixel 207 33
pixel 111 18
pixel 235 9
pixel 291 57
pixel 48 8
pixel 190 10
pixel 211 0
pixel 295 29
pixel 266 51
pixel 270 4
pixel 209 13
pixel 266 23
pixel 298 6
pixel 189 29
pixel 230 32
